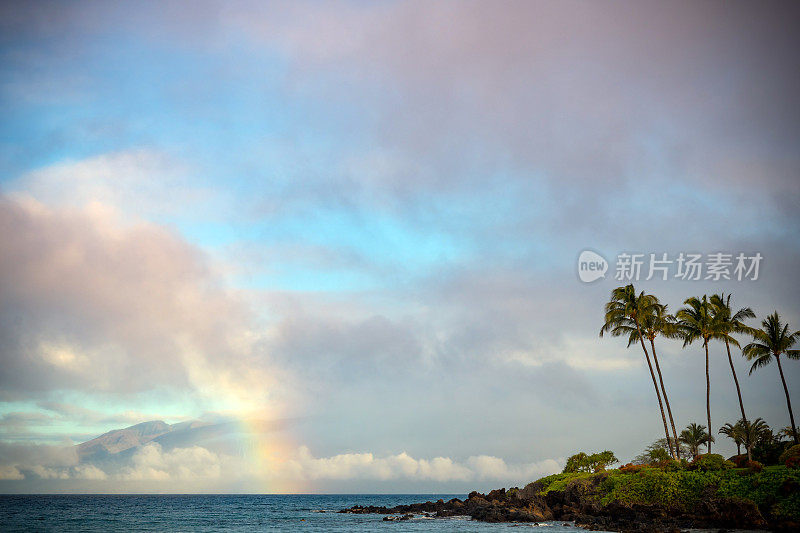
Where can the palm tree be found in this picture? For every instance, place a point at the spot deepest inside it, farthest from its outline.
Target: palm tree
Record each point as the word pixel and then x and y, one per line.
pixel 623 316
pixel 730 322
pixel 785 432
pixel 736 433
pixel 756 431
pixel 656 321
pixel 774 340
pixel 696 321
pixel 694 436
pixel 744 431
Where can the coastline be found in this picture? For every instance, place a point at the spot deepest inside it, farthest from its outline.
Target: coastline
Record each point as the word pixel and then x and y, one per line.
pixel 587 501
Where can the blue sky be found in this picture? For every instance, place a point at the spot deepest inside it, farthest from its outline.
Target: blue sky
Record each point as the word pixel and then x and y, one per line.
pixel 366 217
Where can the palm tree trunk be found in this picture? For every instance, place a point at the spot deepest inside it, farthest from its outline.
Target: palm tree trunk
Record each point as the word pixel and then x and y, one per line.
pixel 741 404
pixel 708 397
pixel 666 401
pixel 658 394
pixel 788 401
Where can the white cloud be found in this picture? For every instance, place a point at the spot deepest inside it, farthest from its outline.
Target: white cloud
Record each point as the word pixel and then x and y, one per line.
pixel 402 466
pixel 10 472
pixel 44 472
pixel 152 463
pixel 94 303
pixel 142 182
pixel 89 472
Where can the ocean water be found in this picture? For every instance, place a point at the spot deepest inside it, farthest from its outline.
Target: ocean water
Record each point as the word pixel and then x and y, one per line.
pixel 229 513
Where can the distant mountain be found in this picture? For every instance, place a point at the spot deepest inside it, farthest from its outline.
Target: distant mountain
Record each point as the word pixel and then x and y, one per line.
pixel 228 436
pixel 119 440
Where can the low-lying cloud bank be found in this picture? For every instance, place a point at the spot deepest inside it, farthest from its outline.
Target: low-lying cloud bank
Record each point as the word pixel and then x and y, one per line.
pixel 155 464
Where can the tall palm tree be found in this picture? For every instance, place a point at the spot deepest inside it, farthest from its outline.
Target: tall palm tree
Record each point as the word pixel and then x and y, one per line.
pixel 656 321
pixel 774 340
pixel 694 436
pixel 730 322
pixel 696 321
pixel 623 315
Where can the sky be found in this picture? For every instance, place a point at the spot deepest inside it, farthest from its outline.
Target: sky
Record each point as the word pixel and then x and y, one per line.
pixel 357 224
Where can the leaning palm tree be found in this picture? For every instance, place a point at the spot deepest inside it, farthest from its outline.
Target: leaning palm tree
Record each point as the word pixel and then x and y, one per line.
pixel 730 322
pixel 656 321
pixel 623 316
pixel 694 436
pixel 774 340
pixel 696 321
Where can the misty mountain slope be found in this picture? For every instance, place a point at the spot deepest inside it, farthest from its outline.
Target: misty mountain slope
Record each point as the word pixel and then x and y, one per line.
pixel 117 448
pixel 119 440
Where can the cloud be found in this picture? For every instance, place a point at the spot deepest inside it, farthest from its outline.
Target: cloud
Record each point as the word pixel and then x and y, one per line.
pixel 484 147
pixel 146 182
pixel 150 462
pixel 402 466
pixel 90 302
pixel 10 472
pixel 89 472
pixel 152 467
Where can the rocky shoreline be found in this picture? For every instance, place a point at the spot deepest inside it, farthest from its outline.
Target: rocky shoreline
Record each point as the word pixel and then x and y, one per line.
pixel 576 503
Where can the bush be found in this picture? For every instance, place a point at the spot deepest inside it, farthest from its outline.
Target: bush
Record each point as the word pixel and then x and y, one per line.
pixel 597 462
pixel 674 465
pixel 769 453
pixel 791 457
pixel 658 456
pixel 754 466
pixel 630 468
pixel 775 489
pixel 710 462
pixel 739 460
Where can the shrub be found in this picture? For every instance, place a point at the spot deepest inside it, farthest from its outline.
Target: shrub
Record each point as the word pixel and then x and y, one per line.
pixel 710 462
pixel 739 460
pixel 754 466
pixel 658 456
pixel 769 453
pixel 554 482
pixel 674 465
pixel 791 457
pixel 597 462
pixel 775 489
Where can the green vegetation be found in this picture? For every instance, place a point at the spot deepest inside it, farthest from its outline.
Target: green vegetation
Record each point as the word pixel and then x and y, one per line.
pixel 730 322
pixel 659 475
pixel 694 436
pixel 791 457
pixel 696 321
pixel 625 316
pixel 596 462
pixel 708 477
pixel 640 316
pixel 774 340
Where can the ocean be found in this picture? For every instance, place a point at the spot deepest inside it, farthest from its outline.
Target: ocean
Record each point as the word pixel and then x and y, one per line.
pixel 229 513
